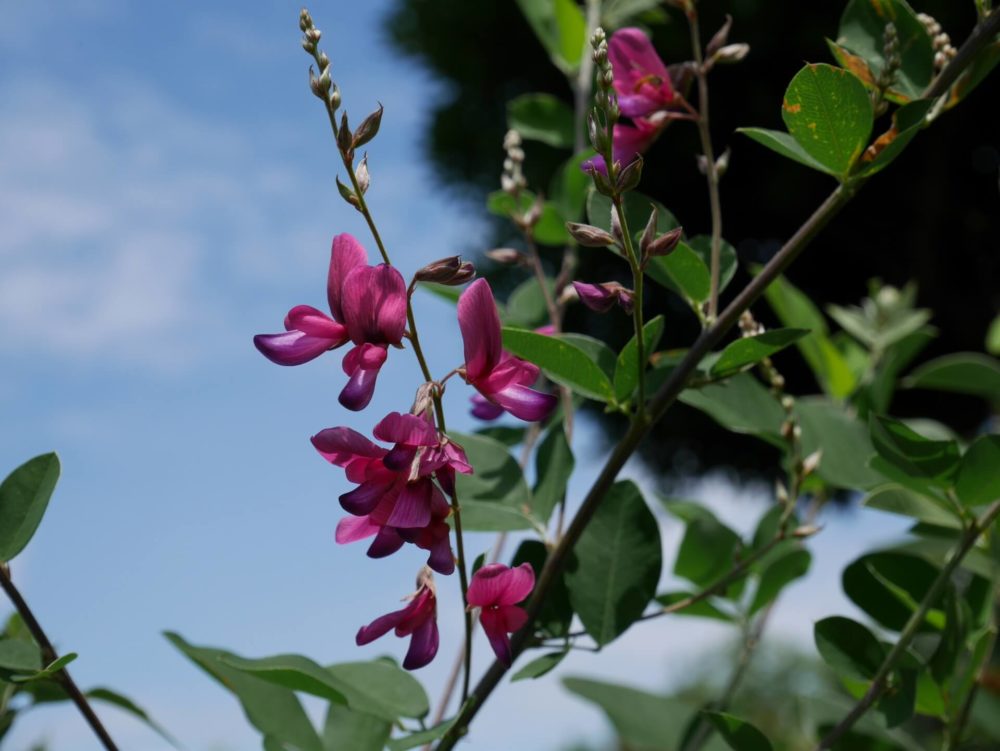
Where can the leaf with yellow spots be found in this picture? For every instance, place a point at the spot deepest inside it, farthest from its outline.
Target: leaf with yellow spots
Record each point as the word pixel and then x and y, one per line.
pixel 829 114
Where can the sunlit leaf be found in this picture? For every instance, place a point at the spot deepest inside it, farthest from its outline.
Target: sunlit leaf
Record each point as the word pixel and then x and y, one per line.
pixel 562 361
pixel 24 496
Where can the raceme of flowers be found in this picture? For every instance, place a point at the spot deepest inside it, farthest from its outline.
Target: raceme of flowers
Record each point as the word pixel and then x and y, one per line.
pixel 402 488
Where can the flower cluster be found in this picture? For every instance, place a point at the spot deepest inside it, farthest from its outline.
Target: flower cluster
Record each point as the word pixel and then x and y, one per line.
pixel 405 489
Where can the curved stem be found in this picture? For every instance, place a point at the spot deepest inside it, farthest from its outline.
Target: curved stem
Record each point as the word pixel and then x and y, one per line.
pixel 711 171
pixel 49 656
pixel 637 322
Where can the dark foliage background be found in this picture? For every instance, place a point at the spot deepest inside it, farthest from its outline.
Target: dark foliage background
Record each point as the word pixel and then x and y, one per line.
pixel 933 217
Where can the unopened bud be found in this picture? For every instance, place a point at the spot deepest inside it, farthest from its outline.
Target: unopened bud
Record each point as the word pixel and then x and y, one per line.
pixel 702 161
pixel 780 492
pixel 732 53
pixel 722 163
pixel 324 61
pixel 362 176
pixel 334 97
pixel 589 236
pixel 601 181
pixel 665 244
pixel 788 430
pixel 720 37
pixel 602 297
pixel 314 84
pixel 806 530
pixel 506 256
pixel 424 399
pixel 788 403
pixel 616 226
pixel 305 20
pixel 348 195
pixel 811 462
pixel 344 138
pixel 368 128
pixel 649 232
pixel 628 178
pixel 450 271
pixel 533 214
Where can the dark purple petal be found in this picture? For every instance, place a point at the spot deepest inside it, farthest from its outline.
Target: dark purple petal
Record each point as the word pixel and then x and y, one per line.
pixel 364 498
pixel 524 403
pixel 483 408
pixel 413 506
pixel 386 542
pixel 343 446
pixel 379 627
pixel 480 324
pixel 423 646
pixel 362 364
pixel 346 254
pixel 292 347
pixel 493 624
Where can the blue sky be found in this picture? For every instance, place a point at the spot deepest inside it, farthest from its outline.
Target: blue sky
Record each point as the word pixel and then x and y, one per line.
pixel 166 191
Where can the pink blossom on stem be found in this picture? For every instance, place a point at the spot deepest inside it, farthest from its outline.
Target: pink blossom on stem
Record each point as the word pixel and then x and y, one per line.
pixel 603 297
pixel 502 379
pixel 418 620
pixel 368 308
pixel 641 79
pixel 496 589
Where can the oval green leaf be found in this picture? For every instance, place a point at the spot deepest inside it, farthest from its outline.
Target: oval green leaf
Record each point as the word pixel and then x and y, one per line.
pixel 738 734
pixel 627 366
pixel 848 647
pixel 24 496
pixel 562 361
pixel 750 350
pixel 542 117
pixel 979 473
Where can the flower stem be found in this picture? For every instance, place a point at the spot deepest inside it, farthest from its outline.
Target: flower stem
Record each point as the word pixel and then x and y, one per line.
pixel 637 322
pixel 49 655
pixel 711 171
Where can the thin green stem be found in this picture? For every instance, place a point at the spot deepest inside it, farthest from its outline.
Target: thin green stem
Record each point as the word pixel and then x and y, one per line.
pixel 879 681
pixel 637 322
pixel 49 655
pixel 711 171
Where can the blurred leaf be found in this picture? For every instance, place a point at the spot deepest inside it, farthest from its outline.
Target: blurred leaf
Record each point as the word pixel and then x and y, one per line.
pixel 505 434
pixel 568 189
pixel 702 245
pixel 562 361
pixel 848 647
pixel 617 13
pixel 885 585
pixel 916 457
pixel 627 367
pixel 556 613
pixel 124 703
pixel 539 666
pixel 597 350
pixel 48 671
pixel 783 143
pixel 560 27
pixel 980 67
pixel 843 440
pixel 526 305
pixel 701 609
pixel 963 373
pixel 708 548
pixel 779 573
pixel 740 404
pixel 419 739
pixel 553 468
pixel 993 335
pixel 498 478
pixel 445 292
pixel 273 710
pixel 738 734
pixel 346 729
pixel 644 721
pixel 750 350
pixel 490 516
pixel 541 117
pixel 24 496
pixel 828 111
pixel 616 564
pixel 895 499
pixel 18 656
pixel 979 473
pixel 684 272
pixel 551 227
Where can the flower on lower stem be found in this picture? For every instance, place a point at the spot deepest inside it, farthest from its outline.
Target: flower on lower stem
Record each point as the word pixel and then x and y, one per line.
pixel 602 297
pixel 397 500
pixel 418 620
pixel 496 589
pixel 368 307
pixel 503 380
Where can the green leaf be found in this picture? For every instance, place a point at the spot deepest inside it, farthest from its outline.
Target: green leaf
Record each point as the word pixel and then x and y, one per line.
pixel 886 585
pixel 18 656
pixel 539 666
pixel 702 245
pixel 294 672
pixel 848 647
pixel 568 188
pixel 49 670
pixel 828 111
pixel 862 31
pixel 560 27
pixel 562 362
pixel 707 550
pixel 556 613
pixel 896 499
pixel 702 609
pixel 273 710
pixel 740 404
pixel 794 309
pixel 738 734
pixel 980 67
pixel 498 478
pixel 907 121
pixel 346 729
pixel 526 305
pixel 783 143
pixel 644 721
pixel 551 227
pixel 684 272
pixel 963 373
pixel 504 434
pixel 442 291
pixel 24 496
pixel 993 334
pixel 843 440
pixel 779 573
pixel 124 703
pixel 553 468
pixel 616 564
pixel 750 350
pixel 627 367
pixel 423 737
pixel 541 117
pixel 915 457
pixel 489 516
pixel 596 350
pixel 979 473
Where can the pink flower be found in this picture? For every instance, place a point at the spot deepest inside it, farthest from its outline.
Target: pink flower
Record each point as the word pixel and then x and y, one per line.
pixel 418 620
pixel 502 379
pixel 496 589
pixel 396 499
pixel 602 297
pixel 368 307
pixel 640 77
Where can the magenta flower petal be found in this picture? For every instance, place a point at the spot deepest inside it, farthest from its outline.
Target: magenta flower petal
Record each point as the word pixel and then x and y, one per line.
pixel 354 528
pixel 374 304
pixel 594 296
pixel 291 348
pixel 309 320
pixel 423 646
pixel 405 428
pixel 514 618
pixel 524 403
pixel 413 506
pixel 343 446
pixel 641 78
pixel 480 324
pixel 379 627
pixel 362 364
pixel 484 409
pixel 493 624
pixel 441 559
pixel 345 255
pixel 497 585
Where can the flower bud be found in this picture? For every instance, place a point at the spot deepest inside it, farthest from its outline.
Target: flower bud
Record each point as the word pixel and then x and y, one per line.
pixel 506 256
pixel 732 53
pixel 368 128
pixel 334 97
pixel 362 176
pixel 616 226
pixel 720 37
pixel 811 462
pixel 348 195
pixel 663 245
pixel 344 139
pixel 628 178
pixel 589 236
pixel 602 297
pixel 806 530
pixel 451 271
pixel 305 20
